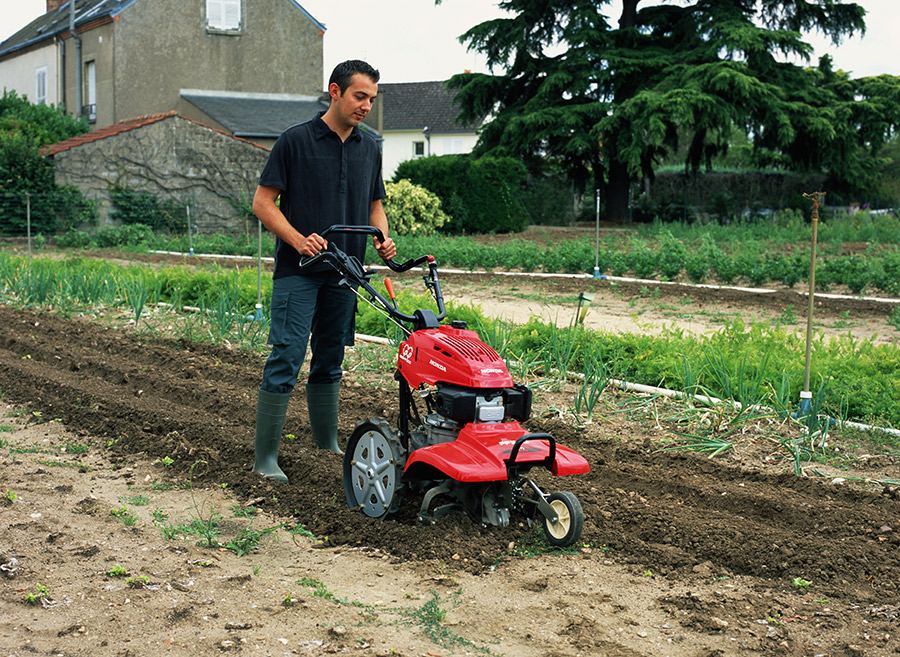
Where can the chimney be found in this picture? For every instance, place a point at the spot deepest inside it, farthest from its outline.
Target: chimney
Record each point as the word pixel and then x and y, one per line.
pixel 54 4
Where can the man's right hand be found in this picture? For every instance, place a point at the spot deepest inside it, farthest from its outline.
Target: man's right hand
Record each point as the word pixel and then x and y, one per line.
pixel 312 244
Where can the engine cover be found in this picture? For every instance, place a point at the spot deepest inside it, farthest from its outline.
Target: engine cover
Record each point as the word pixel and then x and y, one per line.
pixel 451 355
pixel 480 405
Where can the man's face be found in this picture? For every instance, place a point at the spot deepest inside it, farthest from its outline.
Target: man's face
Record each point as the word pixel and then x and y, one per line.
pixel 354 104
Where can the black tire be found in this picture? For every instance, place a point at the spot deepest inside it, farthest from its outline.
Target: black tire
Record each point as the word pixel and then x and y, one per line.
pixel 373 469
pixel 570 523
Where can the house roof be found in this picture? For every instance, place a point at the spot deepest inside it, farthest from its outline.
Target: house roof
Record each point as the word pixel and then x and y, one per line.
pixel 56 22
pixel 418 105
pixel 258 116
pixel 120 127
pixel 254 116
pixel 53 23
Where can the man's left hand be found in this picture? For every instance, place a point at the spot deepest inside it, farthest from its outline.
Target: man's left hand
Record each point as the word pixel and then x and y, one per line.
pixel 386 249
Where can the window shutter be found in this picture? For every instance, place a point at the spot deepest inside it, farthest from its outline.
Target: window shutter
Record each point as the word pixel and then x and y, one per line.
pixel 232 14
pixel 223 14
pixel 40 85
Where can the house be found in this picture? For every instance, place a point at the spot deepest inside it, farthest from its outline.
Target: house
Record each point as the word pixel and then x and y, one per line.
pixel 417 119
pixel 132 58
pixel 170 156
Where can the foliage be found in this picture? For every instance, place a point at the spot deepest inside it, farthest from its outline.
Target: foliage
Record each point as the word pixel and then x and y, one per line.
pixel 127 235
pixel 412 210
pixel 27 186
pixel 140 207
pixel 24 129
pixel 479 195
pixel 608 101
pixel 743 253
pixel 39 123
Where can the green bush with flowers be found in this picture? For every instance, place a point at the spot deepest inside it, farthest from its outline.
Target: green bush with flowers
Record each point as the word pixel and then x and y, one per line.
pixel 412 210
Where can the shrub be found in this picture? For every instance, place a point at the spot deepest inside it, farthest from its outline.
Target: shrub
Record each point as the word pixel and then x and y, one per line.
pixel 24 128
pixel 138 207
pixel 131 235
pixel 412 210
pixel 74 239
pixel 25 173
pixel 479 196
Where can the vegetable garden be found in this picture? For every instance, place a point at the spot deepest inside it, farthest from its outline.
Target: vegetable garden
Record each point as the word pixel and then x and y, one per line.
pixel 684 503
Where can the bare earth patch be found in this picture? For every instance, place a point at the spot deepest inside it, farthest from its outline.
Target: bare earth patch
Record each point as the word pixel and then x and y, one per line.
pixel 116 445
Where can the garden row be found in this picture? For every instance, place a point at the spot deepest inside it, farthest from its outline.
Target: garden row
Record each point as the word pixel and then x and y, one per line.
pixel 753 365
pixel 754 253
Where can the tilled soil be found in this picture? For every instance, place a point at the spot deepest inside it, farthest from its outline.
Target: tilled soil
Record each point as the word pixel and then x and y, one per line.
pixel 682 555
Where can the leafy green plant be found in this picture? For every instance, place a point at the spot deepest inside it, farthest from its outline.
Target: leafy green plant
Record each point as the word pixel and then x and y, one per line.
pixel 205 523
pixel 118 571
pixel 596 378
pixel 239 511
pixel 40 594
pixel 137 582
pixel 788 315
pixel 431 618
pixel 411 209
pixel 136 294
pixel 122 513
pixel 800 583
pixel 248 540
pixel 894 318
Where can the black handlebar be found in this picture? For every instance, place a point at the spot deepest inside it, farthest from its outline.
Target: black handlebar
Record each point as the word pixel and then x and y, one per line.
pixel 306 261
pixel 352 270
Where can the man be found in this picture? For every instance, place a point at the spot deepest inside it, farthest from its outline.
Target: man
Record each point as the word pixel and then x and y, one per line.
pixel 326 171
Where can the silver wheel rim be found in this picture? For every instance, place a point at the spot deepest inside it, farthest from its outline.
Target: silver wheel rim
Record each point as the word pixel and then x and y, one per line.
pixel 374 475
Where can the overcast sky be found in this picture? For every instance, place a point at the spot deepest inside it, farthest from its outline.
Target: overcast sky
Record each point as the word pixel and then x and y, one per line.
pixel 413 40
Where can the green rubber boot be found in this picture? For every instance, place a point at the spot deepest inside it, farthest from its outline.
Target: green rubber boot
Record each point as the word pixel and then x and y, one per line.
pixel 322 402
pixel 271 407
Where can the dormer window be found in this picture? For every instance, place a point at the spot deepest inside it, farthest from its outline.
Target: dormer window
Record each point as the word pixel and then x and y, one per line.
pixel 223 15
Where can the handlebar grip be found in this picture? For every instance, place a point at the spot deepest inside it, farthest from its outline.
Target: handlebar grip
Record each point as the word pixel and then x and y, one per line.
pixel 349 230
pixel 306 261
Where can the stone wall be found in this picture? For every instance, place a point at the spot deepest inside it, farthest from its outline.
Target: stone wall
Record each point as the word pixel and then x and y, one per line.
pixel 173 158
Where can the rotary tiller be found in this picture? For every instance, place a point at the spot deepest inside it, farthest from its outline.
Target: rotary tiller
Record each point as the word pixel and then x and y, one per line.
pixel 465 447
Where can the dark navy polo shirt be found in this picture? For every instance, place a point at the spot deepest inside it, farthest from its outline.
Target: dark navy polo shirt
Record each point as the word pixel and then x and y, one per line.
pixel 323 182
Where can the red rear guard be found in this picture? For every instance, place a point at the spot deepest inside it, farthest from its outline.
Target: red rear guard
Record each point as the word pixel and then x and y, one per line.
pixel 481 452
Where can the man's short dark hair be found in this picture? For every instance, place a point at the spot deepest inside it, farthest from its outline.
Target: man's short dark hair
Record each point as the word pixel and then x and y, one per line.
pixel 344 72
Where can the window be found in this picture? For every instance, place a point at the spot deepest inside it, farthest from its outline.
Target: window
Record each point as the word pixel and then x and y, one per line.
pixel 418 148
pixel 223 14
pixel 40 85
pixel 89 111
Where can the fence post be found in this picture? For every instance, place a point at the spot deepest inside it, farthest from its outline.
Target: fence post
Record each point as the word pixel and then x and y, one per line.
pixel 28 225
pixel 258 314
pixel 190 229
pixel 597 236
pixel 806 394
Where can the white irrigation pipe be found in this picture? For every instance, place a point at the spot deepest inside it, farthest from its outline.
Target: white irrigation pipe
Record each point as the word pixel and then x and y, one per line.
pixel 665 392
pixel 637 387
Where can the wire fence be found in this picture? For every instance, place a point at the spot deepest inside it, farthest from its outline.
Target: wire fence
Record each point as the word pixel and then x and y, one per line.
pixel 66 209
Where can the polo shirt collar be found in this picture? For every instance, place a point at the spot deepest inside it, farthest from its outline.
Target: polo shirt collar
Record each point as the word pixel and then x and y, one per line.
pixel 321 129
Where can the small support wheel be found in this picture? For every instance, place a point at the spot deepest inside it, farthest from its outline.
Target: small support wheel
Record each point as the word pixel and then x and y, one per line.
pixel 373 468
pixel 570 519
